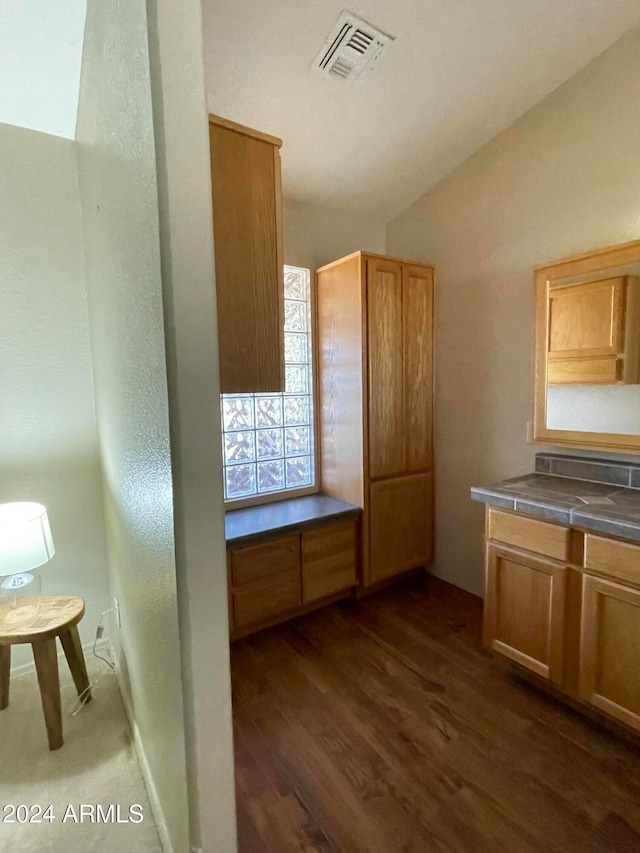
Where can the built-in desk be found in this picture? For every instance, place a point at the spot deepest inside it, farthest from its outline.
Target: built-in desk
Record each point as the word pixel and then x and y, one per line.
pixel 289 557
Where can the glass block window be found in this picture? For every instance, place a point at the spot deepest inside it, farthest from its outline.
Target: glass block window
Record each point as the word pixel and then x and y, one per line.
pixel 268 439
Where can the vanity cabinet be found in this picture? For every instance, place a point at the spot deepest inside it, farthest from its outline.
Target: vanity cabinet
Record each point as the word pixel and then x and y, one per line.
pixel 286 575
pixel 375 336
pixel 565 604
pixel 594 334
pixel 247 225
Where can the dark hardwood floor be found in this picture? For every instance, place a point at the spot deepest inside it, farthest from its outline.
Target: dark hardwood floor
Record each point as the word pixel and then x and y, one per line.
pixel 382 726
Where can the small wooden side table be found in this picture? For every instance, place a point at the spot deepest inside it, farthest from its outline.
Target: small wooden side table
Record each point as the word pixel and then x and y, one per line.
pixel 58 617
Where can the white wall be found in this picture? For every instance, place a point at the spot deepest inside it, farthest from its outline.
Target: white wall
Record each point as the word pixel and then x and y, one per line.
pixel 314 236
pixel 561 180
pixel 186 232
pixel 118 186
pixel 48 439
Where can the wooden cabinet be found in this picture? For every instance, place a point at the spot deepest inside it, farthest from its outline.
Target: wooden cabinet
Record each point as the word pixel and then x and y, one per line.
pixel 247 224
pixel 610 649
pixel 400 525
pixel 575 620
pixel 328 561
pixel 287 575
pixel 375 343
pixel 594 332
pixel 525 610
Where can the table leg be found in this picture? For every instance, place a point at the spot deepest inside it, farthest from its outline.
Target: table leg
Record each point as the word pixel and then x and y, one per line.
pixel 46 658
pixel 5 668
pixel 75 658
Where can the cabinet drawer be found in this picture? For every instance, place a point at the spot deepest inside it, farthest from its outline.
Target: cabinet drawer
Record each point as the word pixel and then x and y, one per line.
pixel 585 371
pixel 328 560
pixel 617 559
pixel 258 562
pixel 550 540
pixel 259 602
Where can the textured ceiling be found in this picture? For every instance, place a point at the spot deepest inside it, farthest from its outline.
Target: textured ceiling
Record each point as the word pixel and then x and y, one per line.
pixel 459 72
pixel 40 57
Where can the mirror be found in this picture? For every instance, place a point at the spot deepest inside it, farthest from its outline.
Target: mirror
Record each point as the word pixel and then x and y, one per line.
pixel 587 361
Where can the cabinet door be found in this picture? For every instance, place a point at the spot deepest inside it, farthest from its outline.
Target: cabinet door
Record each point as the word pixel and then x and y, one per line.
pixel 587 320
pixel 247 224
pixel 417 338
pixel 400 525
pixel 328 561
pixel 386 415
pixel 610 649
pixel 524 610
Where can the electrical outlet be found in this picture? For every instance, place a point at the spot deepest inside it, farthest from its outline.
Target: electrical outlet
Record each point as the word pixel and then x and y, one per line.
pixel 116 607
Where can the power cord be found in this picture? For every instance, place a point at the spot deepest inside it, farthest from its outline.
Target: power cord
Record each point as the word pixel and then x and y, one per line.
pixel 84 697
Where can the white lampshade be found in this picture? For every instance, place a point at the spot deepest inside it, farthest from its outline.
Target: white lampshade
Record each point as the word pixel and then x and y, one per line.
pixel 25 537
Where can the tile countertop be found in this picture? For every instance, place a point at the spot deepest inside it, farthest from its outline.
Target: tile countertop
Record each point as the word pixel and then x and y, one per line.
pixel 602 507
pixel 243 526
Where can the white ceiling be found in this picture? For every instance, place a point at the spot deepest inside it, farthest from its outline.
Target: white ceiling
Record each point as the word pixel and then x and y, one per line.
pixel 40 57
pixel 459 72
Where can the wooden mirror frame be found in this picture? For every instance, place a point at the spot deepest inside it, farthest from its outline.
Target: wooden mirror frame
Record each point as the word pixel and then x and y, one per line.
pixel 592 262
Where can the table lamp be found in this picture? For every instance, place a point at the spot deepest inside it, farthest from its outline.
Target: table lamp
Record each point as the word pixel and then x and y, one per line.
pixel 25 544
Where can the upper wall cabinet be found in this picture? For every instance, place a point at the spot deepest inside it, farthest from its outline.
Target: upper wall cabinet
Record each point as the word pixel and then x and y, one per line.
pixel 594 331
pixel 247 225
pixel 587 360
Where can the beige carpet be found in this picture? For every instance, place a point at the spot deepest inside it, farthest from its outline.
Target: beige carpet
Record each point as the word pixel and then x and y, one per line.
pixel 96 765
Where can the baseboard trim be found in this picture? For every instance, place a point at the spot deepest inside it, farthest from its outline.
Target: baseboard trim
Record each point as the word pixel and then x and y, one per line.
pixel 28 668
pixel 152 793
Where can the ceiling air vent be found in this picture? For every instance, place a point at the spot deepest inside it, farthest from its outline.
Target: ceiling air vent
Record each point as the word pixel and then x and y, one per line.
pixel 351 47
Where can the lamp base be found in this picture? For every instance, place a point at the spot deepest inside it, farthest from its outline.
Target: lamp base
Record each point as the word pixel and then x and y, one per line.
pixel 19 600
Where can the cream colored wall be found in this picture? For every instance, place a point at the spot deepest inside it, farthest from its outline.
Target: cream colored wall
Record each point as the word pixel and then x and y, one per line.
pixel 561 180
pixel 186 238
pixel 117 168
pixel 48 438
pixel 314 236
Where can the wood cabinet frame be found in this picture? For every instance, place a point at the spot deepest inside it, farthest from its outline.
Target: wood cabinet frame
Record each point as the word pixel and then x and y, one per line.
pixel 592 262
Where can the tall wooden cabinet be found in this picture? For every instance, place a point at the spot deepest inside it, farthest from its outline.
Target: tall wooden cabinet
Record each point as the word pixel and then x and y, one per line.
pixel 375 342
pixel 247 225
